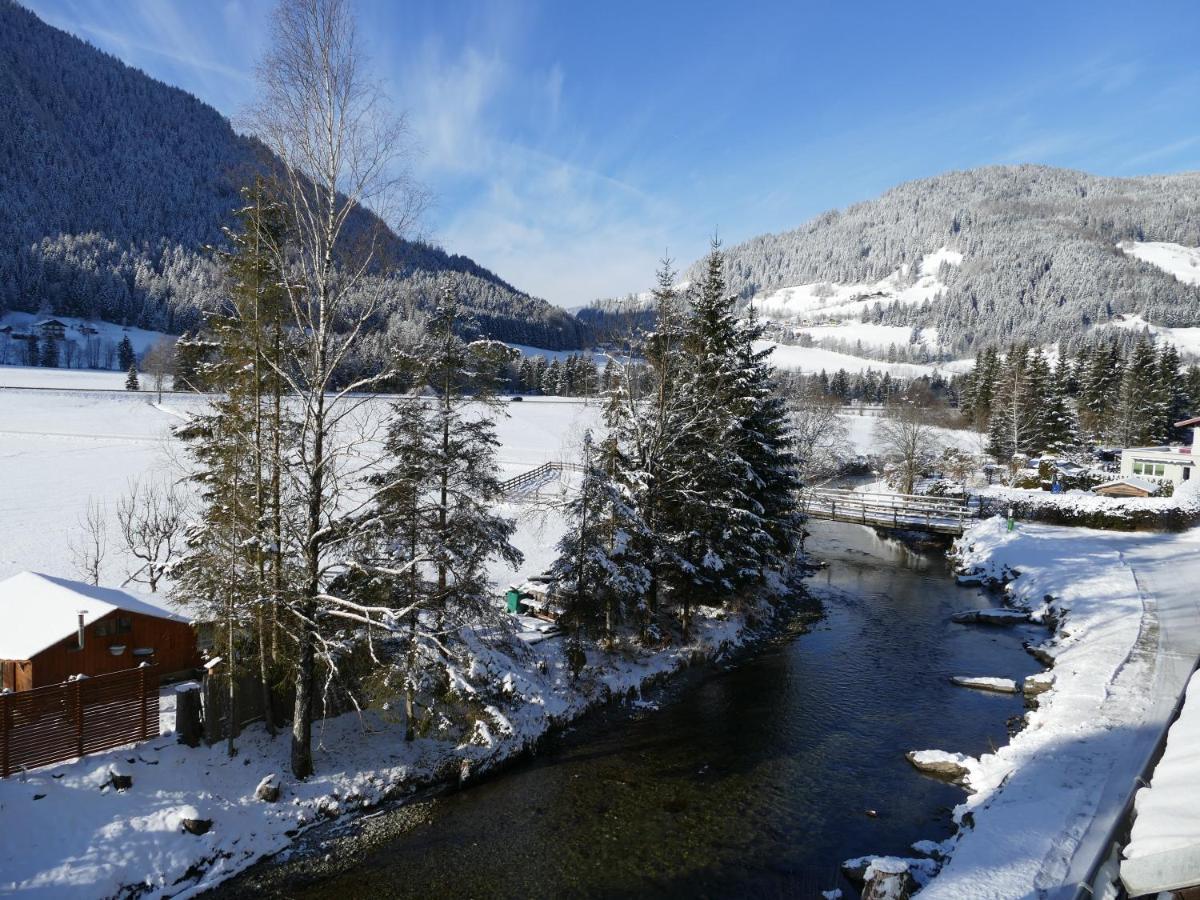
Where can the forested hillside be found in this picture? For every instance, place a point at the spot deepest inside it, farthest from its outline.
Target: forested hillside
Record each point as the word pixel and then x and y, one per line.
pixel 114 183
pixel 1040 259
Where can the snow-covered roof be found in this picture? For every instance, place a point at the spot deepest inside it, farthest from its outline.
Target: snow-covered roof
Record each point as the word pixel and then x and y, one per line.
pixel 37 611
pixel 1142 484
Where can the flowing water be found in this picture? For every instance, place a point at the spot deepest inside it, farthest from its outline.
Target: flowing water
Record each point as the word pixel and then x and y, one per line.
pixel 756 781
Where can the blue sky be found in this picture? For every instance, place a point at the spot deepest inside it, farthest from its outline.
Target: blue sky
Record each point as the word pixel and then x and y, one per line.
pixel 569 144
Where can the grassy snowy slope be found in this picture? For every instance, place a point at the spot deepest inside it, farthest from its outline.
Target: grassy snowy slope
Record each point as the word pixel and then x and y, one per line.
pixel 1180 261
pixel 823 300
pixel 812 360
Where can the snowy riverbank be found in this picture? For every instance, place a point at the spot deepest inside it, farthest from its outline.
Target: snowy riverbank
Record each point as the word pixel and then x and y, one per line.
pixel 82 839
pixel 1127 632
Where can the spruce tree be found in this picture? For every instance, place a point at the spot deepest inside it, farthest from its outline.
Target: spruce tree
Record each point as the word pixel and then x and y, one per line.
pixel 125 355
pixel 432 528
pixel 599 573
pixel 131 379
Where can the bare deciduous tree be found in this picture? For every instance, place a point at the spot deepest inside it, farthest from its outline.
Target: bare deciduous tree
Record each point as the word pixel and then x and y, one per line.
pixel 151 518
pixel 158 363
pixel 89 547
pixel 338 149
pixel 821 438
pixel 907 444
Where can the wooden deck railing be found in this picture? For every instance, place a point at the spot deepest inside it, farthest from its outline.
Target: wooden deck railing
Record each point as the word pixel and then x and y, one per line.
pixel 52 724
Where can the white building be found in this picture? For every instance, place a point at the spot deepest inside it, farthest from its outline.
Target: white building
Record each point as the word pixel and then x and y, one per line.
pixel 1171 463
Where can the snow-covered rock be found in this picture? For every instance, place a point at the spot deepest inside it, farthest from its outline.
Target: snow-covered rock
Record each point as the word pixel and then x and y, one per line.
pixel 1038 683
pixel 956 767
pixel 990 617
pixel 986 683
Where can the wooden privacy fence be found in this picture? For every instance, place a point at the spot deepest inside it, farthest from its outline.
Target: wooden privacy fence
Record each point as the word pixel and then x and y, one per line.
pixel 65 721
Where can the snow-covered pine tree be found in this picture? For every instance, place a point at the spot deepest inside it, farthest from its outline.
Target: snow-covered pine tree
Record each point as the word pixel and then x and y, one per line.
pixel 1137 414
pixel 766 446
pixel 131 379
pixel 717 523
pixel 598 573
pixel 1099 375
pixel 234 569
pixel 421 567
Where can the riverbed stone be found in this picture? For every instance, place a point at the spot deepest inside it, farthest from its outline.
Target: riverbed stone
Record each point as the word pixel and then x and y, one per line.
pixel 990 617
pixel 955 767
pixel 1038 683
pixel 995 685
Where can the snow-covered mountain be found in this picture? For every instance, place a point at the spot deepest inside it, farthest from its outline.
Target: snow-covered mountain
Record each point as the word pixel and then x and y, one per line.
pixel 950 264
pixel 114 182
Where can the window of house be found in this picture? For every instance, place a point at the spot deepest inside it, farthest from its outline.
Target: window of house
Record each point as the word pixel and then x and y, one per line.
pixel 1148 468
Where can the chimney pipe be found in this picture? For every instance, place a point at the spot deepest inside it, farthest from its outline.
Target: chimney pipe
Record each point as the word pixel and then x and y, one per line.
pixel 81 615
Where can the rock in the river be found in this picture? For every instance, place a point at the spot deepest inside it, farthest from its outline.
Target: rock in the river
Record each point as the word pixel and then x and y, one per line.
pixel 1038 683
pixel 997 685
pixel 955 767
pixel 268 789
pixel 990 617
pixel 1043 653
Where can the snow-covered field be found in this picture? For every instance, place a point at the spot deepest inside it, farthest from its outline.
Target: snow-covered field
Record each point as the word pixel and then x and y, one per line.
pixel 823 301
pixel 812 360
pixel 1182 262
pixel 1127 639
pixel 1186 340
pixel 61 448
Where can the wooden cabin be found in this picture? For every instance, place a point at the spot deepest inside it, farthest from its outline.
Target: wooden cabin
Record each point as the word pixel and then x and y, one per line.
pixel 52 628
pixel 1127 487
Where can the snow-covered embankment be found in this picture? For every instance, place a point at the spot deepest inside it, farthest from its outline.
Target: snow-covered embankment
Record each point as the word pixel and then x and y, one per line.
pixel 1042 809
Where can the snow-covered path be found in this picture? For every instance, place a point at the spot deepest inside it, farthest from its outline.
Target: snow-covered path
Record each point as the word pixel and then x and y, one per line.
pixel 1045 805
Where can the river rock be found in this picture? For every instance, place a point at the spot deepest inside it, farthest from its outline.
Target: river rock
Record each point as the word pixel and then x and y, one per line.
pixel 268 789
pixel 990 617
pixel 983 683
pixel 955 767
pixel 1038 683
pixel 1043 653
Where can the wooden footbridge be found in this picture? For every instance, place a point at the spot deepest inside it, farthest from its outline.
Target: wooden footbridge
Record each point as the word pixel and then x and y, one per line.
pixel 909 512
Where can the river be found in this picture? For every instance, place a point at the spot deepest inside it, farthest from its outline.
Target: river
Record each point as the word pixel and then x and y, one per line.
pixel 753 781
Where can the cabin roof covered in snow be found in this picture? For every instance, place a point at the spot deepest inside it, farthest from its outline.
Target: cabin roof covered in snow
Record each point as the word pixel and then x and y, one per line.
pixel 1141 484
pixel 37 611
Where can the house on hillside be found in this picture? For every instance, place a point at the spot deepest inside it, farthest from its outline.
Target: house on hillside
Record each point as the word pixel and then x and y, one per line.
pixel 1172 463
pixel 52 328
pixel 52 628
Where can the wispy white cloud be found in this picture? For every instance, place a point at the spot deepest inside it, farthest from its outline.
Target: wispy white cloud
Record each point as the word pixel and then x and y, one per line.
pixel 1166 151
pixel 553 223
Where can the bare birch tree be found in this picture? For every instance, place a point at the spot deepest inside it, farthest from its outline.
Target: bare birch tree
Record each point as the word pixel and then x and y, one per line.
pixel 338 149
pixel 89 548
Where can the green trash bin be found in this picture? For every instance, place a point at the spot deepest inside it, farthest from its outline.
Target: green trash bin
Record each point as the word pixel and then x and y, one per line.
pixel 514 600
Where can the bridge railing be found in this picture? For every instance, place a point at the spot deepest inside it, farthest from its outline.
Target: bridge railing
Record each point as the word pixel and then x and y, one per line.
pixel 897 510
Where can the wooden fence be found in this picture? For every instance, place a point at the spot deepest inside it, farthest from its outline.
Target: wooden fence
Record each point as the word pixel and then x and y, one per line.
pixel 65 721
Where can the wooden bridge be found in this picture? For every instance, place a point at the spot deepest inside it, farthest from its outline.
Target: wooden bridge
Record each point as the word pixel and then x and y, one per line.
pixel 913 512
